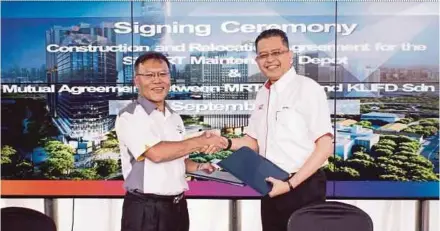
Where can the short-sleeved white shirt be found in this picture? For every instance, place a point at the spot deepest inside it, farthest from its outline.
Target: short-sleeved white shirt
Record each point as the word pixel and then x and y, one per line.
pixel 289 116
pixel 138 127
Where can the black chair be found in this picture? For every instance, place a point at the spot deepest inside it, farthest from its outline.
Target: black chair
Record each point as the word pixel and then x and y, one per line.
pixel 24 219
pixel 330 216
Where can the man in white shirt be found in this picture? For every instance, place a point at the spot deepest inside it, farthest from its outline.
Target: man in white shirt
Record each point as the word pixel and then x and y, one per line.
pixel 154 153
pixel 290 126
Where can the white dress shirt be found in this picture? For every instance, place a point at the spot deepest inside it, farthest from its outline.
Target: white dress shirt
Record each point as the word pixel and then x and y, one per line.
pixel 138 127
pixel 289 116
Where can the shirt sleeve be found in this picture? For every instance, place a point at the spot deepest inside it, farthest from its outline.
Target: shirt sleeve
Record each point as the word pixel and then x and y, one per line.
pixel 319 120
pixel 136 140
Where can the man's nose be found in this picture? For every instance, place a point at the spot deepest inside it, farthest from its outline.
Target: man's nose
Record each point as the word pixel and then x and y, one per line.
pixel 157 79
pixel 270 59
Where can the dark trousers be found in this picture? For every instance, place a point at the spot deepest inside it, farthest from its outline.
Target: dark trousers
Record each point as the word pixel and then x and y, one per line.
pixel 275 212
pixel 143 212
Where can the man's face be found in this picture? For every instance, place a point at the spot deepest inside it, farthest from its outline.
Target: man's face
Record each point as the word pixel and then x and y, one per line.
pixel 273 57
pixel 153 80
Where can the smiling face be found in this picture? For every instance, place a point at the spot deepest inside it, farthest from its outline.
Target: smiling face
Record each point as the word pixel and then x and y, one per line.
pixel 153 80
pixel 273 57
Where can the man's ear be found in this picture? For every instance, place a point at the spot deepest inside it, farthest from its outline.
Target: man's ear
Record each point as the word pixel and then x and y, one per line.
pixel 136 81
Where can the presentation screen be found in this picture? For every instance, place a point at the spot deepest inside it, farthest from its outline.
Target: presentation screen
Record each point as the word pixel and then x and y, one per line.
pixel 67 70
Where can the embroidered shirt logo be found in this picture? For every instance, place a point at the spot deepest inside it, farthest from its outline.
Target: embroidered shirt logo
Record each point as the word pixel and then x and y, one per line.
pixel 179 129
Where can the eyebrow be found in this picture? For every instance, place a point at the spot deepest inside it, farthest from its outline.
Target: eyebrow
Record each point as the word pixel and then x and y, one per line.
pixel 146 72
pixel 277 49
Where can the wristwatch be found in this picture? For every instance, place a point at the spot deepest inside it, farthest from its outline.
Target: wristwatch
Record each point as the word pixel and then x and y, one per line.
pixel 290 185
pixel 229 144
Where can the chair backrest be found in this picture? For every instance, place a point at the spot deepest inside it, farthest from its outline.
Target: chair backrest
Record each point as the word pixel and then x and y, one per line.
pixel 24 219
pixel 330 216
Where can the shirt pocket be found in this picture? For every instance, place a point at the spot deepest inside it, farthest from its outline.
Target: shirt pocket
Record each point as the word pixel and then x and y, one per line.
pixel 174 135
pixel 258 123
pixel 173 131
pixel 291 125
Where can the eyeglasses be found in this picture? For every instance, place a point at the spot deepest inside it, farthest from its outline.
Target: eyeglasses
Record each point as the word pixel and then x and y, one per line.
pixel 151 75
pixel 274 54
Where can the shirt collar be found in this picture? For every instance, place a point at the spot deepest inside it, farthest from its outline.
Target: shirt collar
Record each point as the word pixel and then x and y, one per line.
pixel 281 83
pixel 149 106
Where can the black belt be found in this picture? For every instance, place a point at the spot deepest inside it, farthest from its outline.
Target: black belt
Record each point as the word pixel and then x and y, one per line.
pixel 175 199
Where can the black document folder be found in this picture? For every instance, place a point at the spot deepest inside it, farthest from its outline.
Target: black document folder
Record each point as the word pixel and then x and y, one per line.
pixel 253 169
pixel 219 176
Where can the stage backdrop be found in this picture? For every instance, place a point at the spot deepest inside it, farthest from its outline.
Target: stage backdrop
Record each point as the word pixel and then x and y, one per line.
pixel 67 68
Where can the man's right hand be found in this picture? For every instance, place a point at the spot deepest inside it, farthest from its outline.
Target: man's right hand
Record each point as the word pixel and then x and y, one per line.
pixel 212 142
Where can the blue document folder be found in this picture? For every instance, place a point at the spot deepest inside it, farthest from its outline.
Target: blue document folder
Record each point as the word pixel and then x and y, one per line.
pixel 253 169
pixel 223 177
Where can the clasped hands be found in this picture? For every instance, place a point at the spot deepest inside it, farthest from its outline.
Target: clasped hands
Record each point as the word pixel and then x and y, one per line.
pixel 212 142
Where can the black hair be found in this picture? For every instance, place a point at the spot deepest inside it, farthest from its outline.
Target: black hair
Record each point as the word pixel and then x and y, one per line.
pixel 272 33
pixel 150 55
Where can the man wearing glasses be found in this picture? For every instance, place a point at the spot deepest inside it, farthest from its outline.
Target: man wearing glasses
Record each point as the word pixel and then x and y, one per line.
pixel 291 127
pixel 154 153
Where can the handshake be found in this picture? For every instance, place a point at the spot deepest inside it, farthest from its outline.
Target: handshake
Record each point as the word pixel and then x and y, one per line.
pixel 211 142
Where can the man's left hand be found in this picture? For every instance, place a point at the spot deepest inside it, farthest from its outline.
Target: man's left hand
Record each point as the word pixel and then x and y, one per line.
pixel 207 168
pixel 278 187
